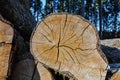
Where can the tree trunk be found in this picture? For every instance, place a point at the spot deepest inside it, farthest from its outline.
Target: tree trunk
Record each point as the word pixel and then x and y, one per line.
pixel 23 22
pixel 100 18
pixel 6 37
pixel 83 8
pixel 19 16
pixel 69 44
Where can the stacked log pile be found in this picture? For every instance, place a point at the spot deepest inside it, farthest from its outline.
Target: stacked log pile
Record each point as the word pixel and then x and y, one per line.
pixel 61 43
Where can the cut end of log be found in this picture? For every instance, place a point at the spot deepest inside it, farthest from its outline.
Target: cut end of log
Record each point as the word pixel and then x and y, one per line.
pixel 111 42
pixel 116 76
pixel 70 44
pixel 6 36
pixel 44 72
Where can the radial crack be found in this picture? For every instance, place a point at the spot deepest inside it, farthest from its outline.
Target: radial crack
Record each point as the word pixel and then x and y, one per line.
pixel 47 25
pixel 85 29
pixel 46 50
pixel 59 44
pixel 64 26
pixel 69 55
pixel 2 43
pixel 46 38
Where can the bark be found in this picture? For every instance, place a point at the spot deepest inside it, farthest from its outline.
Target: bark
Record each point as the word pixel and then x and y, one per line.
pixel 24 70
pixel 19 15
pixel 19 53
pixel 69 44
pixel 23 23
pixel 28 70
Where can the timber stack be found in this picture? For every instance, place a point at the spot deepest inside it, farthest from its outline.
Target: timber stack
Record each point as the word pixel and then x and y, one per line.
pixel 61 43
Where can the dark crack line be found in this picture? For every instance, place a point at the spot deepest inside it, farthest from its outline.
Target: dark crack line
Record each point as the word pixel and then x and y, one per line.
pixel 70 55
pixel 72 51
pixel 66 30
pixel 65 22
pixel 64 27
pixel 2 43
pixel 76 56
pixel 59 66
pixel 47 25
pixel 83 54
pixel 59 44
pixel 48 57
pixel 52 29
pixel 76 48
pixel 70 38
pixel 43 30
pixel 48 28
pixel 46 50
pixel 46 37
pixel 85 49
pixel 85 29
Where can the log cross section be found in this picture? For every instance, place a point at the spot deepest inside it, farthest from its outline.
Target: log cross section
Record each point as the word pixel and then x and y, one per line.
pixel 6 36
pixel 69 44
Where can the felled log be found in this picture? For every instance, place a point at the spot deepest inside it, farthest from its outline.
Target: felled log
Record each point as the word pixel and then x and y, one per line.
pixel 111 42
pixel 111 48
pixel 23 70
pixel 29 70
pixel 6 36
pixel 69 44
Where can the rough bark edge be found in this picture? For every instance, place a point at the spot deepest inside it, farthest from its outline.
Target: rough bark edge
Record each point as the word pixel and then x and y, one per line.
pixel 5 21
pixel 98 41
pixel 10 57
pixel 93 26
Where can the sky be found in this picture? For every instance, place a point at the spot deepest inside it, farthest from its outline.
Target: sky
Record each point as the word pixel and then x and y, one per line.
pixel 44 2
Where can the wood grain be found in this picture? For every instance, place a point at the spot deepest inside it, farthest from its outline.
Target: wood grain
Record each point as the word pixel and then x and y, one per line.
pixel 116 76
pixel 6 36
pixel 69 44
